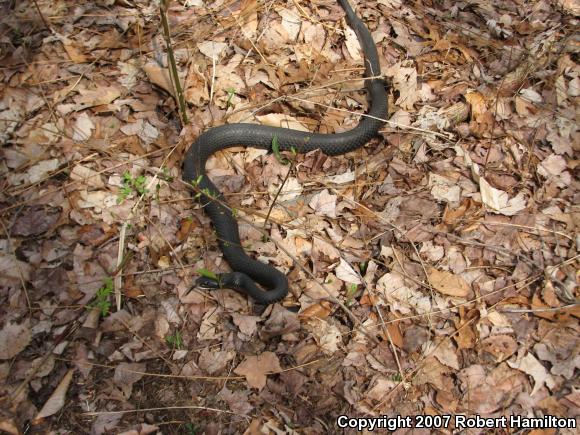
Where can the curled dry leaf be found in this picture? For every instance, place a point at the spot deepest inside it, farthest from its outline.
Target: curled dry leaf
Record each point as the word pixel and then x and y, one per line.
pixel 446 353
pixel 35 221
pixel 86 175
pixel 248 325
pixel 500 347
pixel 215 361
pixel 324 204
pixel 326 335
pixel 56 400
pixel 280 322
pixel 13 271
pixel 255 368
pixel 448 283
pixel 159 76
pixel 83 128
pixel 13 339
pixel 532 367
pixel 126 374
pixel 281 120
pixel 346 273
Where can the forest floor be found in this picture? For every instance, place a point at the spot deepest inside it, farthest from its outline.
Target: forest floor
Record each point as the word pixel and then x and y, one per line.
pixel 433 272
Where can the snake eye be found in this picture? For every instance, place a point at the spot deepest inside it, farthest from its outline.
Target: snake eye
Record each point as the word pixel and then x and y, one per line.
pixel 207 283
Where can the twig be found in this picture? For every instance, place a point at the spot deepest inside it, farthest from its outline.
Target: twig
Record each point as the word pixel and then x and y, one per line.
pixel 163 6
pixel 290 169
pixel 42 16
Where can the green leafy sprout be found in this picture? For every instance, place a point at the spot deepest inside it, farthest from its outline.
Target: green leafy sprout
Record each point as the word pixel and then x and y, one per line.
pixel 231 92
pixel 175 340
pixel 208 274
pixel 276 151
pixel 102 297
pixel 192 428
pixel 350 293
pixel 132 184
pixel 363 267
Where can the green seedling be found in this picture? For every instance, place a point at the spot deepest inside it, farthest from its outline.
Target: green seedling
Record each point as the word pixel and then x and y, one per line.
pixel 231 92
pixel 363 267
pixel 192 429
pixel 102 297
pixel 175 340
pixel 166 175
pixel 351 291
pixel 132 184
pixel 195 183
pixel 276 151
pixel 208 274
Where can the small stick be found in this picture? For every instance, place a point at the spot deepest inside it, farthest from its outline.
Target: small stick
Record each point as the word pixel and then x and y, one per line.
pixel 163 5
pixel 42 16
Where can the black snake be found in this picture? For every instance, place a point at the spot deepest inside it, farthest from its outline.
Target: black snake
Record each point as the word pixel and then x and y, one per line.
pixel 247 273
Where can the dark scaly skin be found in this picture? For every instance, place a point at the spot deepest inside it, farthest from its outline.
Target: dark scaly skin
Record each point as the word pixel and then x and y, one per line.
pixel 247 272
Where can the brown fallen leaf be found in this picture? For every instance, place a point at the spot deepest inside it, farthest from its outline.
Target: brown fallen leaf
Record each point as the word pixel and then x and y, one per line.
pixel 280 322
pixel 8 423
pixel 488 391
pixel 73 52
pixel 542 432
pixel 465 337
pixel 214 361
pixel 256 367
pixel 158 75
pixel 126 374
pixel 446 353
pixel 394 334
pixel 13 339
pixel 478 104
pixel 448 283
pixel 560 348
pixel 248 325
pixel 320 310
pixel 98 96
pixel 56 400
pixel 34 221
pixel 500 347
pixel 532 367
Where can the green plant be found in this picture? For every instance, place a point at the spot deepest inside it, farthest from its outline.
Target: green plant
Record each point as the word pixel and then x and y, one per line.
pixel 191 428
pixel 231 92
pixel 102 297
pixel 276 151
pixel 208 274
pixel 175 340
pixel 350 293
pixel 166 175
pixel 363 267
pixel 132 184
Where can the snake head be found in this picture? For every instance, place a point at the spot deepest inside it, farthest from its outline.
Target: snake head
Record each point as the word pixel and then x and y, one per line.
pixel 208 283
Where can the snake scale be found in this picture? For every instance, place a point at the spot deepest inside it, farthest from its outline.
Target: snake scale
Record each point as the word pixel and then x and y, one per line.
pixel 264 283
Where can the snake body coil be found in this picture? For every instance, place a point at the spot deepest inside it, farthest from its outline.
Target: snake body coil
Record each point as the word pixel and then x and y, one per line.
pixel 247 271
